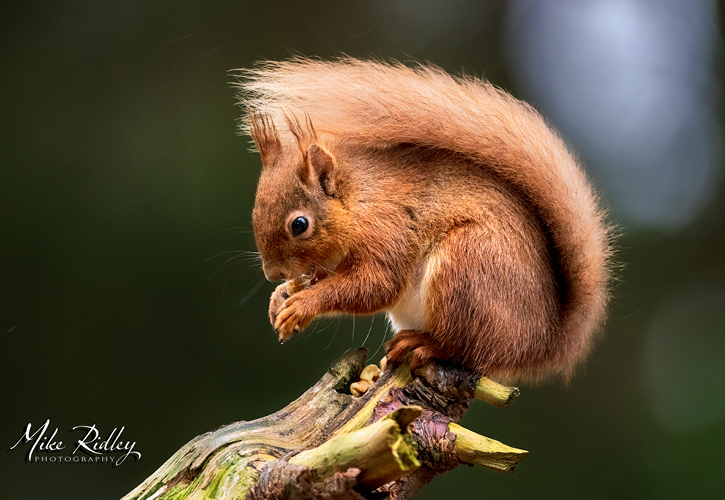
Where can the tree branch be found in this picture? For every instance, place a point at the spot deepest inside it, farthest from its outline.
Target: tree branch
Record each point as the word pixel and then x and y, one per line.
pixel 386 444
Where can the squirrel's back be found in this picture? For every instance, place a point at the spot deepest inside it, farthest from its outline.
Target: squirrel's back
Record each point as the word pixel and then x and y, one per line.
pixel 380 104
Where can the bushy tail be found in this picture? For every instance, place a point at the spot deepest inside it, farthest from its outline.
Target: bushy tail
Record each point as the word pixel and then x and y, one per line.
pixel 380 103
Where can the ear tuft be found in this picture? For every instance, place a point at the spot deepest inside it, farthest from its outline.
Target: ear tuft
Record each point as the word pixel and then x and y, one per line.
pixel 265 135
pixel 304 134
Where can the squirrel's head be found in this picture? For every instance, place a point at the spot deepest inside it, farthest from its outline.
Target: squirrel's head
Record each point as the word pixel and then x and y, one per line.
pixel 299 219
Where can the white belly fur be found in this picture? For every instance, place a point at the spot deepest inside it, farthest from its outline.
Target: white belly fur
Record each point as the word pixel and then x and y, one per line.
pixel 408 313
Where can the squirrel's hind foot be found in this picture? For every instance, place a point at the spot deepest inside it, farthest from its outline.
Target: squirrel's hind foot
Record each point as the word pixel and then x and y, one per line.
pixel 417 343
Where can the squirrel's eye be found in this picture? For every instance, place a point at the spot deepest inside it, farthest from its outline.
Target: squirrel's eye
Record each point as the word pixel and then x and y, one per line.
pixel 299 226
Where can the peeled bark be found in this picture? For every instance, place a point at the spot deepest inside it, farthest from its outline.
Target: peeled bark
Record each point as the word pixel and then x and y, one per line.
pixel 386 444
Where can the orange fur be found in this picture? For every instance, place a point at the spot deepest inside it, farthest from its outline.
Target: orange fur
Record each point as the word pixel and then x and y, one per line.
pixel 443 201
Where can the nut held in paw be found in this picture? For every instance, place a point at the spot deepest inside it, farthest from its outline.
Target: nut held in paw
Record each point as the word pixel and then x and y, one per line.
pixel 295 285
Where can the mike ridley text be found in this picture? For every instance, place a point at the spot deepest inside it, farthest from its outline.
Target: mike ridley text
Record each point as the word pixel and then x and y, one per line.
pixel 93 447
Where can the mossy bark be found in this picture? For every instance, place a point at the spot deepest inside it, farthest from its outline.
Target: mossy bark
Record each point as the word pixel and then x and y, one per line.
pixel 313 447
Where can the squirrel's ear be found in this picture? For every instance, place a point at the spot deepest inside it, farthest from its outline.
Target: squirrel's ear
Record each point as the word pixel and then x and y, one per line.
pixel 319 167
pixel 265 135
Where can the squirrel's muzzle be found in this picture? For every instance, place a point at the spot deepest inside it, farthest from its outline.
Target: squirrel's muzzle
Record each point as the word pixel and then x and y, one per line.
pixel 273 273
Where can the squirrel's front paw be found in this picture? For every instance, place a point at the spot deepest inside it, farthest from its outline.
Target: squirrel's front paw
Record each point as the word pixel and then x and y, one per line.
pixel 293 316
pixel 279 295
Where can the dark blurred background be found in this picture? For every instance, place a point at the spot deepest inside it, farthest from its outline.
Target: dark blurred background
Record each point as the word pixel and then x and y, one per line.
pixel 125 199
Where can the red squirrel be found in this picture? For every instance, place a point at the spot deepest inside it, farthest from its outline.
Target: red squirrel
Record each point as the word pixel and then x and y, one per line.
pixel 441 200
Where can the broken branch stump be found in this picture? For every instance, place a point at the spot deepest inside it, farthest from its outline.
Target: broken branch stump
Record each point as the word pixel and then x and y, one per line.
pixel 386 444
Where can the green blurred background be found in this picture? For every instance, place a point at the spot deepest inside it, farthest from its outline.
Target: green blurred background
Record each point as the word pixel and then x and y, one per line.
pixel 125 191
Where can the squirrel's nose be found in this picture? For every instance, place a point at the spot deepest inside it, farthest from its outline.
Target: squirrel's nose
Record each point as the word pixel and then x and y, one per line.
pixel 273 274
